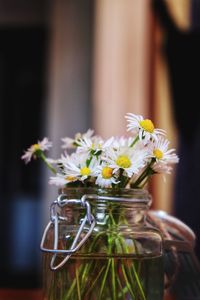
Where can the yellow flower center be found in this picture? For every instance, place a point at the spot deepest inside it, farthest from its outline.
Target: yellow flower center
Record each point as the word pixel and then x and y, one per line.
pixel 147 125
pixel 85 171
pixel 123 161
pixel 107 172
pixel 70 178
pixel 158 153
pixel 36 147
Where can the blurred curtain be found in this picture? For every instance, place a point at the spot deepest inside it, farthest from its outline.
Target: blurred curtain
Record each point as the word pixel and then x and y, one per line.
pixel 163 115
pixel 130 74
pixel 69 76
pixel 121 63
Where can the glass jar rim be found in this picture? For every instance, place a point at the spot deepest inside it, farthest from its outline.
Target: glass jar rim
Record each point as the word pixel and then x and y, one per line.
pixel 109 194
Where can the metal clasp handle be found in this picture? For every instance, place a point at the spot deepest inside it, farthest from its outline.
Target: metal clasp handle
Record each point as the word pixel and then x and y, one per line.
pixel 55 218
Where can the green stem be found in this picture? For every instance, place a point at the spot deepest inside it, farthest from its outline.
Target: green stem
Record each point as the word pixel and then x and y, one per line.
pixel 94 281
pixel 43 157
pixel 78 285
pixel 113 278
pixel 68 295
pixel 140 178
pixel 89 160
pixel 124 290
pixel 138 282
pixel 89 265
pixel 134 141
pixel 104 278
pixel 127 282
pixel 144 182
pixel 111 263
pixel 145 173
pixel 123 181
pixel 85 270
pixel 134 270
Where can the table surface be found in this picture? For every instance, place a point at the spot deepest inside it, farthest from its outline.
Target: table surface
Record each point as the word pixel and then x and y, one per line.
pixel 36 294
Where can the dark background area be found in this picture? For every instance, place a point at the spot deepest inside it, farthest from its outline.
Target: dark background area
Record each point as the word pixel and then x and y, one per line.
pixel 30 55
pixel 22 80
pixel 181 51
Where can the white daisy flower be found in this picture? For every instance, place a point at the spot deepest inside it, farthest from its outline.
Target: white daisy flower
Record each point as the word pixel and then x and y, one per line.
pixel 61 179
pixel 52 161
pixel 95 145
pixel 162 168
pixel 65 158
pixel 77 166
pixel 73 143
pixel 163 157
pixel 122 142
pixel 143 127
pixel 43 145
pixel 69 143
pixel 127 159
pixel 60 161
pixel 105 176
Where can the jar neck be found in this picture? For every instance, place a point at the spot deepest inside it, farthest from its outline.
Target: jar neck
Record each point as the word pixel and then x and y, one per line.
pixel 120 213
pixel 118 207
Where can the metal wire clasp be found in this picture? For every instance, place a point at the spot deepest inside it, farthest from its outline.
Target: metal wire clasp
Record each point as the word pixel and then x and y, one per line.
pixel 55 218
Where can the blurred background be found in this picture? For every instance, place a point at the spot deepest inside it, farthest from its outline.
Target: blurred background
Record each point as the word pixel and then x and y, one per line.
pixel 66 66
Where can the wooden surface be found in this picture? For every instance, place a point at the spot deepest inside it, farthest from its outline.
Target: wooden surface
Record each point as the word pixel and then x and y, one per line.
pixel 12 294
pixel 33 295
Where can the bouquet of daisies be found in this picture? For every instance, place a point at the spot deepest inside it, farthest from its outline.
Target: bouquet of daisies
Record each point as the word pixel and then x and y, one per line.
pixel 117 162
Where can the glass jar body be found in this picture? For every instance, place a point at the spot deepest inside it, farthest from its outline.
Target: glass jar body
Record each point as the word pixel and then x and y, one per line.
pixel 121 259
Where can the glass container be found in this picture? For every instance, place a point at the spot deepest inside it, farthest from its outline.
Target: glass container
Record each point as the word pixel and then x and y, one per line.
pixel 111 251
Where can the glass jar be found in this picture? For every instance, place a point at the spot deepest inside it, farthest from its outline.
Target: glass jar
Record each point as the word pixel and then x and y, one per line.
pixel 112 252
